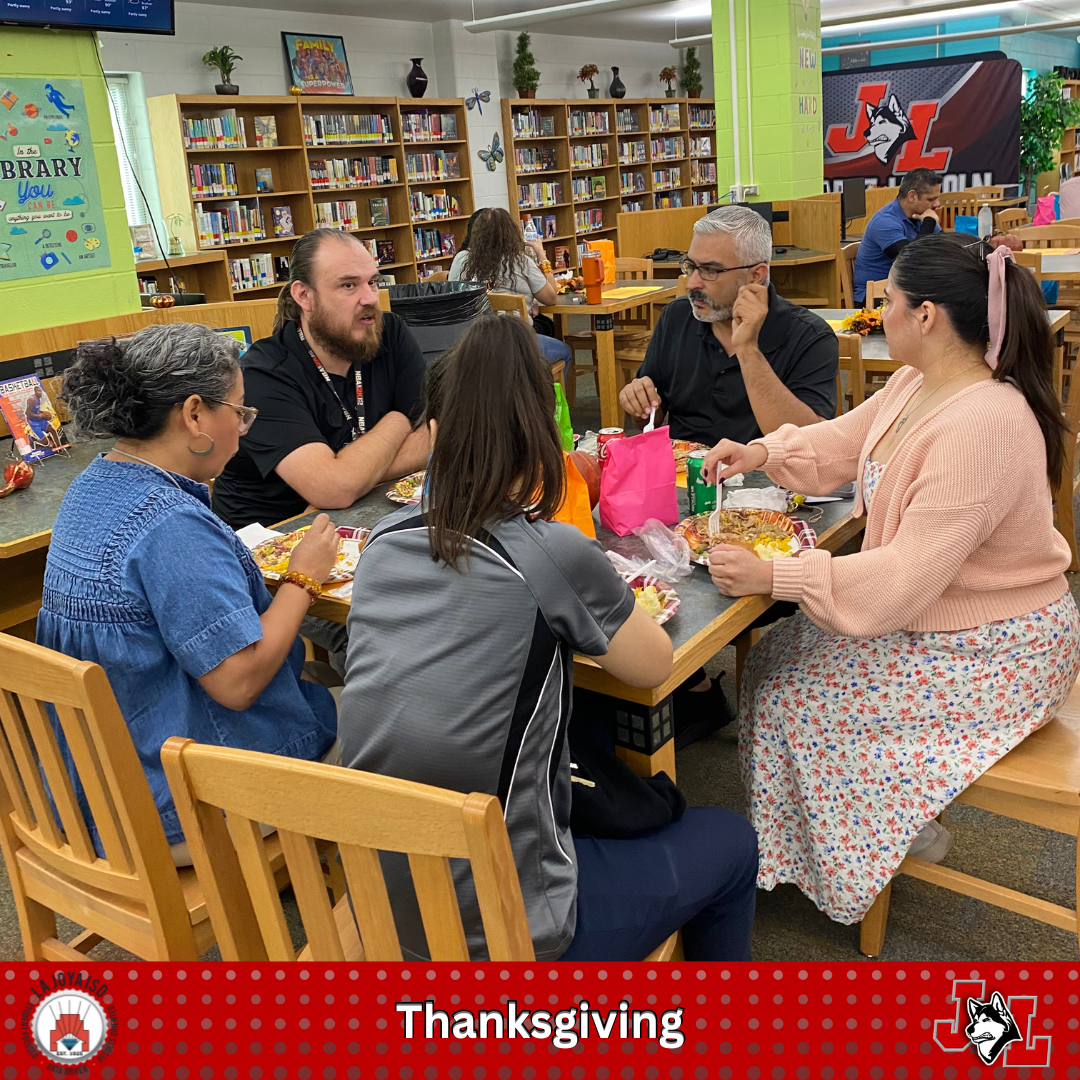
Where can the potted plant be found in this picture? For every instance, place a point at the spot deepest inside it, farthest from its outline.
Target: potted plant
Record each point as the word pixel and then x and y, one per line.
pixel 669 75
pixel 691 73
pixel 224 59
pixel 587 74
pixel 1044 116
pixel 526 77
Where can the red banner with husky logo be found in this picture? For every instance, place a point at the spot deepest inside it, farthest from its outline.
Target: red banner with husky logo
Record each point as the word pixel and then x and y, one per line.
pixel 959 117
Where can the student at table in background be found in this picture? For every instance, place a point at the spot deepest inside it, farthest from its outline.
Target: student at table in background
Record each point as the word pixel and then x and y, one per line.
pixel 913 213
pixel 143 579
pixel 498 257
pixel 466 613
pixel 918 662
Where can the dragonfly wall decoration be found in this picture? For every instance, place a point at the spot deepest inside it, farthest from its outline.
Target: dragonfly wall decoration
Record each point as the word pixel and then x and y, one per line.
pixel 477 97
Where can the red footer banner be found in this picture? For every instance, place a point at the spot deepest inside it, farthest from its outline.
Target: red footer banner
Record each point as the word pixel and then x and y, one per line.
pixel 439 1021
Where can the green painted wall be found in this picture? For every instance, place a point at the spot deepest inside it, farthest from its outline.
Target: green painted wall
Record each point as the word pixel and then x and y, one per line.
pixel 785 96
pixel 34 303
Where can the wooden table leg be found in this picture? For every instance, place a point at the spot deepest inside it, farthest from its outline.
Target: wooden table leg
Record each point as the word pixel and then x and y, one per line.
pixel 872 927
pixel 663 760
pixel 606 375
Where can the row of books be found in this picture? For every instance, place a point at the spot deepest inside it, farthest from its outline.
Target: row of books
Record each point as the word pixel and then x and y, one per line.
pixel 633 206
pixel 228 223
pixel 337 215
pixel 224 132
pixel 631 153
pixel 626 120
pixel 589 156
pixel 433 205
pixel 589 187
pixel 701 147
pixel 667 149
pixel 664 118
pixel 254 271
pixel 382 251
pixel 428 127
pixel 331 129
pixel 588 123
pixel 540 194
pixel 437 165
pixel 529 124
pixel 632 183
pixel 588 220
pixel 703 198
pixel 213 179
pixel 666 179
pixel 669 202
pixel 352 172
pixel 433 244
pixel 535 159
pixel 548 227
pixel 702 172
pixel 702 116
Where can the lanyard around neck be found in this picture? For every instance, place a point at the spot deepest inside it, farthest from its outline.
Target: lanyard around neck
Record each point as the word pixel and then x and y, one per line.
pixel 357 424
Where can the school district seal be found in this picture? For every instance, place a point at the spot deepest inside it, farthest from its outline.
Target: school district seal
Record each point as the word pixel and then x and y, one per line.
pixel 70 1027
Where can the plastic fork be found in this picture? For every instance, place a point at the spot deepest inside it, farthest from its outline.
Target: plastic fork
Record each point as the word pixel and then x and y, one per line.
pixel 714 517
pixel 652 421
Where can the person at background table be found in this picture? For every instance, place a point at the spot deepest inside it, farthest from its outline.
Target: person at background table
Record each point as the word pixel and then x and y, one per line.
pixel 918 662
pixel 143 579
pixel 913 213
pixel 337 386
pixel 499 258
pixel 1069 198
pixel 733 358
pixel 466 613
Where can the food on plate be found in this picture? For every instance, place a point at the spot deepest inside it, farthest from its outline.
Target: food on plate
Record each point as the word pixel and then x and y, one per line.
pixel 570 284
pixel 682 449
pixel 862 322
pixel 768 533
pixel 659 599
pixel 649 599
pixel 589 467
pixel 407 490
pixel 272 555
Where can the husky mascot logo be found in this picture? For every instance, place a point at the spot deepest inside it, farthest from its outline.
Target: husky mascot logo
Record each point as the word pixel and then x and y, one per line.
pixel 888 128
pixel 992 1027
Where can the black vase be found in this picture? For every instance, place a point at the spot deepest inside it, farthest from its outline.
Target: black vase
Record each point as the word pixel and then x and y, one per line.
pixel 416 80
pixel 617 89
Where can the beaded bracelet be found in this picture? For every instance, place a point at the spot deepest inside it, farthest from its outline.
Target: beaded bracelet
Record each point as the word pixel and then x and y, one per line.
pixel 545 267
pixel 308 584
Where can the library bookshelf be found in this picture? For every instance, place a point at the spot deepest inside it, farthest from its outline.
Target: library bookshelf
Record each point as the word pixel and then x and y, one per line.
pixel 392 179
pixel 574 165
pixel 1069 155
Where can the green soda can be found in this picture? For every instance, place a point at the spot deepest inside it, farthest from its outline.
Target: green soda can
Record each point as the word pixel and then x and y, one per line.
pixel 702 494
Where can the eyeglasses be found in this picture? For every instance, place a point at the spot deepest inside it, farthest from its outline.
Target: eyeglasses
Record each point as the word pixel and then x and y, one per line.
pixel 711 273
pixel 246 413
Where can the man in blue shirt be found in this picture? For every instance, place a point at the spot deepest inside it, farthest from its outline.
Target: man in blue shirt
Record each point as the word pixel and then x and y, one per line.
pixel 909 216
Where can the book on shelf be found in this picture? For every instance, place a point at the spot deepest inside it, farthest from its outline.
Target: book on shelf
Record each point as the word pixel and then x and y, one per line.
pixel 224 131
pixel 703 198
pixel 266 131
pixel 424 126
pixel 212 179
pixel 588 123
pixel 433 205
pixel 547 125
pixel 429 269
pixel 669 202
pixel 448 242
pixel 530 159
pixel 328 173
pixel 332 129
pixel 632 153
pixel 626 120
pixel 702 172
pixel 562 257
pixel 539 194
pixel 264 180
pixel 632 183
pixel 435 165
pixel 228 223
pixel 667 149
pixel 281 267
pixel 526 124
pixel 586 221
pixel 666 179
pixel 433 243
pixel 633 206
pixel 589 156
pixel 701 147
pixel 283 222
pixel 147 286
pixel 664 118
pixel 380 212
pixel 254 271
pixel 551 226
pixel 337 215
pixel 372 247
pixel 702 116
pixel 599 187
pixel 386 251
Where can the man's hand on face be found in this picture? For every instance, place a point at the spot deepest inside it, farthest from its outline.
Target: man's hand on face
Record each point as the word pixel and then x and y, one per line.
pixel 639 397
pixel 748 314
pixel 932 214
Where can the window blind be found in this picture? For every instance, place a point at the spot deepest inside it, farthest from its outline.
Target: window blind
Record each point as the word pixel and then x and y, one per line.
pixel 125 135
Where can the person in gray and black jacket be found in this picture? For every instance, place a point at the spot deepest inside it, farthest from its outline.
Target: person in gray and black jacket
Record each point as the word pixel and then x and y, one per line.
pixel 466 613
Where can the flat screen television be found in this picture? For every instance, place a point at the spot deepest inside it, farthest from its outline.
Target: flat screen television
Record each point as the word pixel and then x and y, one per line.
pixel 123 16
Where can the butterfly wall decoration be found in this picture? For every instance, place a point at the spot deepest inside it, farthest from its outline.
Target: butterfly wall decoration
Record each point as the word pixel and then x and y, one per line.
pixel 492 155
pixel 477 97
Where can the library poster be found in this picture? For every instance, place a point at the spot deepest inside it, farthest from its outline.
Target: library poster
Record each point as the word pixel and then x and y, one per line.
pixel 317 63
pixel 51 219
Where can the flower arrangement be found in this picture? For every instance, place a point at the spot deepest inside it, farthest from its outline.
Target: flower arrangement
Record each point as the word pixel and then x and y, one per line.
pixel 587 74
pixel 669 75
pixel 862 322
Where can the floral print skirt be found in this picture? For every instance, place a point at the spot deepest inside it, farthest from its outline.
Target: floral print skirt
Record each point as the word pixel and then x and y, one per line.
pixel 849 746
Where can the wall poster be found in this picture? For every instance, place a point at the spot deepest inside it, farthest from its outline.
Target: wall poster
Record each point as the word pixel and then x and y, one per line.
pixel 51 218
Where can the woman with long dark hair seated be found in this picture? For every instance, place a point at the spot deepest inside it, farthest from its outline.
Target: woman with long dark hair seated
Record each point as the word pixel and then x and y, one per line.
pixel 918 662
pixel 498 257
pixel 467 610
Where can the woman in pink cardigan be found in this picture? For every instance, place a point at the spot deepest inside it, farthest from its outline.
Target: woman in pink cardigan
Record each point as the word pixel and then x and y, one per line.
pixel 915 664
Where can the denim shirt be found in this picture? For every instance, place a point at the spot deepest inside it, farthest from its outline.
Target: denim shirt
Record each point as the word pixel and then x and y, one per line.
pixel 143 579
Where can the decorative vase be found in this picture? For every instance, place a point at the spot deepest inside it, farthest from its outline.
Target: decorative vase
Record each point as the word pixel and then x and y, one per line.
pixel 593 92
pixel 694 93
pixel 227 88
pixel 416 80
pixel 526 93
pixel 617 89
pixel 669 92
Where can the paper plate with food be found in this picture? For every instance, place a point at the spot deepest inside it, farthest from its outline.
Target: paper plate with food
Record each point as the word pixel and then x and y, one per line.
pixel 769 534
pixel 407 490
pixel 272 555
pixel 658 599
pixel 682 449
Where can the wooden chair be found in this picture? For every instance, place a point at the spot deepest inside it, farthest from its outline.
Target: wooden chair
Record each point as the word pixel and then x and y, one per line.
pixel 513 304
pixel 1012 219
pixel 1068 387
pixel 384 299
pixel 364 814
pixel 846 264
pixel 438 275
pixel 875 292
pixel 987 191
pixel 851 362
pixel 1059 235
pixel 952 203
pixel 1037 782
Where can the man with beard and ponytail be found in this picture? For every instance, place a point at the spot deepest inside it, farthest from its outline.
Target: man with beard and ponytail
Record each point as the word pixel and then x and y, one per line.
pixel 338 389
pixel 733 356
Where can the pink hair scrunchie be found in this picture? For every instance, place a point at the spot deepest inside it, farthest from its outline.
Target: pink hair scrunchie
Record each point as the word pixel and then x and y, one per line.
pixel 996 305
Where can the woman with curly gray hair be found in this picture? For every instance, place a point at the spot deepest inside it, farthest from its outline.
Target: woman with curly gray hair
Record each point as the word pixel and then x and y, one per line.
pixel 143 579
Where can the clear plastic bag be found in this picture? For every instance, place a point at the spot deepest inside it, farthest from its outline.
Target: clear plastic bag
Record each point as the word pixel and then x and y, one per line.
pixel 770 498
pixel 670 552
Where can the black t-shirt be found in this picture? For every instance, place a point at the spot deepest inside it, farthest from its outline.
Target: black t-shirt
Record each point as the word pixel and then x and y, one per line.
pixel 296 407
pixel 702 387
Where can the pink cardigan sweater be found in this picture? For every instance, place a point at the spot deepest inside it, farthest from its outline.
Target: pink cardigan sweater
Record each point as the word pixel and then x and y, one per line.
pixel 960 530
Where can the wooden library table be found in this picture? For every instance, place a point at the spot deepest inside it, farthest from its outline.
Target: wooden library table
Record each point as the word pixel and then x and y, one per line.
pixel 26 521
pixel 627 294
pixel 705 623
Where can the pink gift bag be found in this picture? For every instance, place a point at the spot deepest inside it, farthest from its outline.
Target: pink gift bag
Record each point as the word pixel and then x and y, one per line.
pixel 638 482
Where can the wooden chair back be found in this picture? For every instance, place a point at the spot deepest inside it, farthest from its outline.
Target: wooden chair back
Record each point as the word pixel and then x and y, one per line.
pixel 438 275
pixel 1058 235
pixel 634 269
pixel 875 293
pixel 681 288
pixel 364 814
pixel 851 362
pixel 1011 219
pixel 503 303
pixel 133 891
pixel 952 203
pixel 989 191
pixel 846 263
pixel 384 299
pixel 636 318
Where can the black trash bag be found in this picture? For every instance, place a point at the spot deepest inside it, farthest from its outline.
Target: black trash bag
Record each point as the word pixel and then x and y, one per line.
pixel 439 303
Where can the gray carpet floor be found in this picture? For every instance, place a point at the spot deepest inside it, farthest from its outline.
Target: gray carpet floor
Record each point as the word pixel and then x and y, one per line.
pixel 925 922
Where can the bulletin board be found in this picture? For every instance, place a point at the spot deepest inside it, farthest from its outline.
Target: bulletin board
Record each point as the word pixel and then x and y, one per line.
pixel 51 218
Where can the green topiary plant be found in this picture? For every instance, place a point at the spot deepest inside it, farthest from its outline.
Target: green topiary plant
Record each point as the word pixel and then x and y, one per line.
pixel 691 72
pixel 526 76
pixel 224 59
pixel 1044 116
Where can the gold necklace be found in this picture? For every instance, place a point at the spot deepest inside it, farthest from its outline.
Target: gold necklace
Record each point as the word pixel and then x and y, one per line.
pixel 929 397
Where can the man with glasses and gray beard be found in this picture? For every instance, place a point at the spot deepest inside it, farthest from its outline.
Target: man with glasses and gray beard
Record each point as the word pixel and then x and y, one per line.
pixel 733 360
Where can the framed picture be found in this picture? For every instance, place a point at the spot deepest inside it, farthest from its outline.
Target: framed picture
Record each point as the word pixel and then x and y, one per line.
pixel 317 63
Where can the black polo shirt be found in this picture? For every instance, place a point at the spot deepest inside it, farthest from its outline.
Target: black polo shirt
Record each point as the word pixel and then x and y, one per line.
pixel 296 407
pixel 702 387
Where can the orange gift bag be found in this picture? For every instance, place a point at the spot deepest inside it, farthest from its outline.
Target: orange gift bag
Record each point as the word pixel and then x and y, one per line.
pixel 607 253
pixel 575 508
